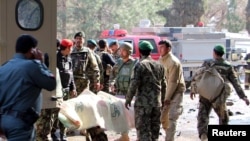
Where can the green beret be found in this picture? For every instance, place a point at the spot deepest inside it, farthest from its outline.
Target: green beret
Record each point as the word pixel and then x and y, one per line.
pixel 220 49
pixel 91 41
pixel 145 45
pixel 79 34
pixel 127 46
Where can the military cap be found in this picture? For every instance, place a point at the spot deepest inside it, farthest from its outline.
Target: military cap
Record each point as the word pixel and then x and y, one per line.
pixel 145 45
pixel 127 46
pixel 79 34
pixel 91 41
pixel 220 49
pixel 66 43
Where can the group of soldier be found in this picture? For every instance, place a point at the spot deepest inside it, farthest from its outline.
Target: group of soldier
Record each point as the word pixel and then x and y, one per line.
pixel 158 85
pixel 81 67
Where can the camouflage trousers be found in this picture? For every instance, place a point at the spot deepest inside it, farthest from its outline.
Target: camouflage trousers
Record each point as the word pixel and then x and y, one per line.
pixel 174 110
pixel 247 80
pixel 147 123
pixel 106 84
pixel 81 84
pixel 48 123
pixel 205 107
pixel 92 87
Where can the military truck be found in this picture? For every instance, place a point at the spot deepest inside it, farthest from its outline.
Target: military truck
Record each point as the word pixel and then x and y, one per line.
pixel 192 45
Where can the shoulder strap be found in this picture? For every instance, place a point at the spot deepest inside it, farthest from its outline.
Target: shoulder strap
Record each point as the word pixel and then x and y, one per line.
pixel 122 65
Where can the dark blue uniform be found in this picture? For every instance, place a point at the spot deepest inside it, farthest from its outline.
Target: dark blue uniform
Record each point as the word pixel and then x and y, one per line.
pixel 21 82
pixel 64 65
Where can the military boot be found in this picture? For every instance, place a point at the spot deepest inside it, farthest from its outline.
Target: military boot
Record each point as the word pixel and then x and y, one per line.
pixel 124 137
pixel 54 137
pixel 63 137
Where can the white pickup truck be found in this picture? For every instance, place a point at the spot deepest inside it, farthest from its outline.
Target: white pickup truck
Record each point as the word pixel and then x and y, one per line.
pixel 193 45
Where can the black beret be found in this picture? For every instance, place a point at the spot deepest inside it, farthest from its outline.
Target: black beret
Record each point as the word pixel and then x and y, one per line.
pixel 79 34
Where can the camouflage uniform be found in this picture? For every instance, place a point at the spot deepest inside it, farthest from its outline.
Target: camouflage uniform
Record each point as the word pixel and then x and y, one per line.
pixel 45 123
pixel 88 73
pixel 48 121
pixel 247 71
pixel 148 84
pixel 99 62
pixel 107 63
pixel 120 75
pixel 219 104
pixel 174 93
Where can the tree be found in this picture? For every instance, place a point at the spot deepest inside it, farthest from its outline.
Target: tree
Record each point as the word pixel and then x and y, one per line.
pixel 233 22
pixel 93 16
pixel 183 12
pixel 248 17
pixel 215 16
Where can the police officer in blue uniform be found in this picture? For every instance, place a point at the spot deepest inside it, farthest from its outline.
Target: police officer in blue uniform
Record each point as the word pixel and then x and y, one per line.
pixel 22 79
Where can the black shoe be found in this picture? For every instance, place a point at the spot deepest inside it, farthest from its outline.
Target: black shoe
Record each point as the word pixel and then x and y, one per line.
pixel 63 137
pixel 54 137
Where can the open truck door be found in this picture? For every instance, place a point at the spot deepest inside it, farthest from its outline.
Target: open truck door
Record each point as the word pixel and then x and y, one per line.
pixel 34 17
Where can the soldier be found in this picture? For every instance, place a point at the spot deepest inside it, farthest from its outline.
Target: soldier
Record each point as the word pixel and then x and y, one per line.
pixel 148 83
pixel 176 87
pixel 92 45
pixel 22 79
pixel 107 62
pixel 228 73
pixel 247 72
pixel 64 65
pixel 120 76
pixel 85 69
pixel 114 46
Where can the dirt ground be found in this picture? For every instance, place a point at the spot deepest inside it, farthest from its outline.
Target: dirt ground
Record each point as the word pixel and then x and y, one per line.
pixel 186 127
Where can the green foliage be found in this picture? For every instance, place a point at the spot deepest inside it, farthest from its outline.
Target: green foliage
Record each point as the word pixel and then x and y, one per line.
pixel 94 16
pixel 248 17
pixel 183 12
pixel 234 23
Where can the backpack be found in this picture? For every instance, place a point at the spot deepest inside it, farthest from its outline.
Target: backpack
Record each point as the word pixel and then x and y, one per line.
pixel 210 83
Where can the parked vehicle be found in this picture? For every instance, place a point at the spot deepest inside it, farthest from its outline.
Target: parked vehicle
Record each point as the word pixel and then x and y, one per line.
pixel 122 36
pixel 192 45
